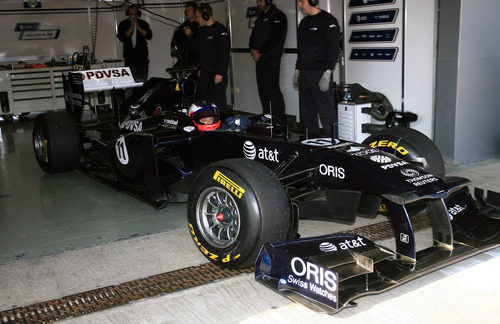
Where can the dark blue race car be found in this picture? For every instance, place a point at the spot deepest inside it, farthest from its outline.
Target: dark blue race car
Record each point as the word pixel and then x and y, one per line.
pixel 248 180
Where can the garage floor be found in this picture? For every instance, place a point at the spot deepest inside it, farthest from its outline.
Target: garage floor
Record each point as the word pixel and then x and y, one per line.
pixel 65 234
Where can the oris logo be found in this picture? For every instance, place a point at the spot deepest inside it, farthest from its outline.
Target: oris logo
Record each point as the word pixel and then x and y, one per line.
pixel 314 273
pixel 327 247
pixel 382 159
pixel 332 171
pixel 249 150
pixel 410 173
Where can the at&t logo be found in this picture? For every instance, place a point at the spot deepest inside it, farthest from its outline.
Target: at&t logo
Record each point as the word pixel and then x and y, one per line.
pixel 251 152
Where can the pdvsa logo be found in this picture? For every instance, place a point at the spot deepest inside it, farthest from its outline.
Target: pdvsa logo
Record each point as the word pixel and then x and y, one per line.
pixel 132 125
pixel 251 152
pixel 105 74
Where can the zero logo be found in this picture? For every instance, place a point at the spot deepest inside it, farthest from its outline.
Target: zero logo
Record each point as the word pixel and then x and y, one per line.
pixel 386 143
pixel 121 150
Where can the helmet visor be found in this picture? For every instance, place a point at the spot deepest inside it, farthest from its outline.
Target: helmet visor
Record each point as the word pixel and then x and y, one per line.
pixel 206 115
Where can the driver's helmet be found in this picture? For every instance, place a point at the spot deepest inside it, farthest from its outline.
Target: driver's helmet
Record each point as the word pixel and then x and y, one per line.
pixel 205 116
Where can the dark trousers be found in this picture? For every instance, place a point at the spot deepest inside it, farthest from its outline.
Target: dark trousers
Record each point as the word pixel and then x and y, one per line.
pixel 268 84
pixel 140 73
pixel 314 102
pixel 211 92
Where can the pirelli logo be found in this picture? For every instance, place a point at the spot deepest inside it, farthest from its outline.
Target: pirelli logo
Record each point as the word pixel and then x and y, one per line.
pixel 229 184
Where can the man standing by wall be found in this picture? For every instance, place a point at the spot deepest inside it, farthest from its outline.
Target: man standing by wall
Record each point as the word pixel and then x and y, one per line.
pixel 266 47
pixel 183 45
pixel 134 32
pixel 318 46
pixel 212 40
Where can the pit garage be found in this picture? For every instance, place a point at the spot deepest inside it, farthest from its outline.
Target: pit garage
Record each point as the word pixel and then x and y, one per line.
pixel 75 249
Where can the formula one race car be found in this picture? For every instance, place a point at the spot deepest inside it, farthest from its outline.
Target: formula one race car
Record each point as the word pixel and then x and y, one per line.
pixel 248 181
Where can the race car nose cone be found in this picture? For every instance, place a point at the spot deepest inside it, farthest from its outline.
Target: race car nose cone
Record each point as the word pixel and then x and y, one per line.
pixel 224 215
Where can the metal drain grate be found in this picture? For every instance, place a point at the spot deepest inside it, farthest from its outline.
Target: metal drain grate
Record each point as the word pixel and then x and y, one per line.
pixel 107 297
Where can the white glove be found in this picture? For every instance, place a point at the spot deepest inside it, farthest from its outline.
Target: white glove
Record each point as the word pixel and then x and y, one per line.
pixel 324 82
pixel 296 79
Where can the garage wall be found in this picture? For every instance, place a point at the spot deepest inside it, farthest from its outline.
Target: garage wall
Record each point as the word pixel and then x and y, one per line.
pixel 77 24
pixel 71 18
pixel 468 75
pixel 407 80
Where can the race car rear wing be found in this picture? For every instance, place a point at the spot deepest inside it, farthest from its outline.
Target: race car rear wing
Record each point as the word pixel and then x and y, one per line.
pixel 106 79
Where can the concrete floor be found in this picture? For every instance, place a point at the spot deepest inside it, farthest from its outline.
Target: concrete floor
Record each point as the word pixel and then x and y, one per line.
pixel 67 233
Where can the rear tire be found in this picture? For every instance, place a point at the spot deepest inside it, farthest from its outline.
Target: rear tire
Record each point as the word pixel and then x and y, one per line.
pixel 56 142
pixel 235 206
pixel 409 145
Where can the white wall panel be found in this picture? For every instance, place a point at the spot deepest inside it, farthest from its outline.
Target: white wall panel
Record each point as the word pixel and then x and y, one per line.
pixel 378 76
pixel 419 51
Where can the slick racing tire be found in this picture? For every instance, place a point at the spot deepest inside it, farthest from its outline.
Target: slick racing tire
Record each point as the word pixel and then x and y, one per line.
pixel 409 145
pixel 234 207
pixel 56 142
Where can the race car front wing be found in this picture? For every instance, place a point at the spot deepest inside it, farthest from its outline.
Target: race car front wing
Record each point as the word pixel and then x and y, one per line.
pixel 328 272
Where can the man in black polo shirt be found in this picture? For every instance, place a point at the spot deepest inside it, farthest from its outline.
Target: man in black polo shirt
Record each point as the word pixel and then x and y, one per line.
pixel 134 33
pixel 212 41
pixel 318 46
pixel 266 47
pixel 183 45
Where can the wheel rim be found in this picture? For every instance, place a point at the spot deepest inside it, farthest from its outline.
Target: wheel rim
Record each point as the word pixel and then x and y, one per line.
pixel 218 217
pixel 40 144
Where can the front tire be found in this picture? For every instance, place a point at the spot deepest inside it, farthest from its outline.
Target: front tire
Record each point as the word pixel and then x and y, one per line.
pixel 409 145
pixel 234 207
pixel 56 142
